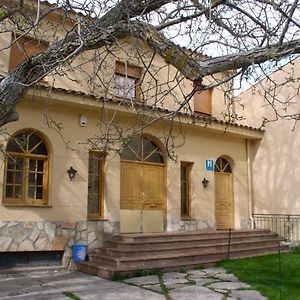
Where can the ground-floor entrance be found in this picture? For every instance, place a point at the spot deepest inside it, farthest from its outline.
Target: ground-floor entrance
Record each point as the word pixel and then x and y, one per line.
pixel 142 199
pixel 223 194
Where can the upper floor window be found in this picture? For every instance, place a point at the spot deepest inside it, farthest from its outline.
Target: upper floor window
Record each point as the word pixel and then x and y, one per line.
pixel 26 170
pixel 24 48
pixel 127 84
pixel 203 102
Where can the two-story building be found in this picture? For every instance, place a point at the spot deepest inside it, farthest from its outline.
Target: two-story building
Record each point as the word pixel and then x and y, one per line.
pixel 99 150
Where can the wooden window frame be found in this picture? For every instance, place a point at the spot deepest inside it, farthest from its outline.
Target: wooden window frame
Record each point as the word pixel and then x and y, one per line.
pixel 189 166
pixel 132 72
pixel 26 157
pixel 102 161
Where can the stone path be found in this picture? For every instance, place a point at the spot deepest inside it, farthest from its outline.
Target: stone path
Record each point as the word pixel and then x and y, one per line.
pixel 206 284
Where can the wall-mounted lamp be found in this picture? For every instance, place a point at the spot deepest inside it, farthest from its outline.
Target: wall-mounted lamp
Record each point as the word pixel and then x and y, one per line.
pixel 205 182
pixel 72 172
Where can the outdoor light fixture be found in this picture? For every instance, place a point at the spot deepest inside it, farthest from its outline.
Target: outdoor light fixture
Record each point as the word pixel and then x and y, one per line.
pixel 72 172
pixel 205 182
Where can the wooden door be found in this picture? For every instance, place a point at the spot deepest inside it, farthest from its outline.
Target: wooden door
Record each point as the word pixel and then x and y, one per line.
pixel 131 185
pixel 142 198
pixel 153 198
pixel 223 200
pixel 153 187
pixel 131 195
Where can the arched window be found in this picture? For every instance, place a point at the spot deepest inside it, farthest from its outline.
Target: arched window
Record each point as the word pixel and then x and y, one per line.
pixel 142 149
pixel 222 165
pixel 26 169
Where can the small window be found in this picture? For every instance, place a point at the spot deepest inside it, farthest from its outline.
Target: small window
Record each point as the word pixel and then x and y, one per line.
pixel 203 102
pixel 127 81
pixel 222 165
pixel 26 170
pixel 185 179
pixel 96 185
pixel 142 149
pixel 24 48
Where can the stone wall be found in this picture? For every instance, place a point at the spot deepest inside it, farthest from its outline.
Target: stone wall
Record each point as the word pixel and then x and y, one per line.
pixel 246 224
pixel 55 236
pixel 190 225
pixel 61 236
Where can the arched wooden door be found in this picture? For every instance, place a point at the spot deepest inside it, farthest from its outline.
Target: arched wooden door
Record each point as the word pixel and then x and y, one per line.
pixel 223 194
pixel 142 205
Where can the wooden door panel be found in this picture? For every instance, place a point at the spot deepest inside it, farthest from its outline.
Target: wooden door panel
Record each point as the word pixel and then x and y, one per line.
pixel 153 220
pixel 223 193
pixel 131 186
pixel 142 198
pixel 153 187
pixel 130 221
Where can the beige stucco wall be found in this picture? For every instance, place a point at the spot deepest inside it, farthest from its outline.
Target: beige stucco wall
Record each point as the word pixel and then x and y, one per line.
pixel 275 160
pixel 93 72
pixel 200 146
pixel 162 84
pixel 68 200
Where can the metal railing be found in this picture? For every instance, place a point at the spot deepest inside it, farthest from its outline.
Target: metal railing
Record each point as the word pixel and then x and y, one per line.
pixel 287 226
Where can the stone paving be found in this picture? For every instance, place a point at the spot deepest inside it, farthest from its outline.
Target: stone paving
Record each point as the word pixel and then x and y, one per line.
pixel 206 284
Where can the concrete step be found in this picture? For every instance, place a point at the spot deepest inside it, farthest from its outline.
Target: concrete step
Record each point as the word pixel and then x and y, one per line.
pixel 203 246
pixel 192 235
pixel 127 254
pixel 179 257
pixel 177 244
pixel 108 272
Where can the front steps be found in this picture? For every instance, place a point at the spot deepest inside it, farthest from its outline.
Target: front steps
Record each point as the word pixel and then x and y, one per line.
pixel 127 254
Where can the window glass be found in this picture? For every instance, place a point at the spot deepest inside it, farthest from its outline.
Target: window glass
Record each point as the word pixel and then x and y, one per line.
pixel 33 141
pixel 222 165
pixel 40 149
pixel 142 149
pixel 95 185
pixel 9 191
pixel 185 180
pixel 128 154
pixel 13 146
pixel 120 84
pixel 155 157
pixel 148 147
pixel 125 87
pixel 127 81
pixel 18 191
pixel 25 172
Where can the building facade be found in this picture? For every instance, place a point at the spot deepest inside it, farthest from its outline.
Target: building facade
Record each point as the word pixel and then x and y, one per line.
pixel 68 175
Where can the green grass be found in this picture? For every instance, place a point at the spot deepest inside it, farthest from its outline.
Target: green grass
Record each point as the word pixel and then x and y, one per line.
pixel 164 289
pixel 71 295
pixel 265 275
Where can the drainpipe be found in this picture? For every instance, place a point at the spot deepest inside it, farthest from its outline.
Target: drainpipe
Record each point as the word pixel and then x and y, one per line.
pixel 249 177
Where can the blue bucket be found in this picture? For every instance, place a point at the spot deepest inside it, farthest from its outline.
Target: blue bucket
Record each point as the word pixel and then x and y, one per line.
pixel 79 252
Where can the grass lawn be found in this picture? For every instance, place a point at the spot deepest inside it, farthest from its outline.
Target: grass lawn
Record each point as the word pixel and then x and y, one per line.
pixel 263 274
